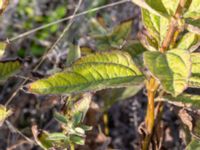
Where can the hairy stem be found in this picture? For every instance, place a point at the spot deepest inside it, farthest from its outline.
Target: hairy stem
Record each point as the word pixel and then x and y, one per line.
pixel 152 85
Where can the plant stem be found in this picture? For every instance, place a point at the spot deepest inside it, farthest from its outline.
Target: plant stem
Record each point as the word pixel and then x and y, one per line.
pixel 72 147
pixel 152 84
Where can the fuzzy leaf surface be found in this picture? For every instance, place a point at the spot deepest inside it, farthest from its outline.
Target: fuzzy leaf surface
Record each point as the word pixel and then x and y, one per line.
pixel 91 73
pixel 172 69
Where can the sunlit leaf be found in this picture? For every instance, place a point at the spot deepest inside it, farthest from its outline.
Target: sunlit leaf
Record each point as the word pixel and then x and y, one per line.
pixel 193 10
pixel 91 73
pixel 57 137
pixel 2 48
pixel 171 69
pixel 189 41
pixel 155 25
pixel 8 68
pixel 4 113
pixel 194 80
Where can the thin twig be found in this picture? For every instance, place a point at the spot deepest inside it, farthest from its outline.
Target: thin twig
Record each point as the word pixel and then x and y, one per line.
pixel 19 132
pixel 65 19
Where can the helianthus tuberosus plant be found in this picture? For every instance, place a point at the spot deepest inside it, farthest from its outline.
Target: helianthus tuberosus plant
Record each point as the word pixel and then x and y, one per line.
pixel 165 60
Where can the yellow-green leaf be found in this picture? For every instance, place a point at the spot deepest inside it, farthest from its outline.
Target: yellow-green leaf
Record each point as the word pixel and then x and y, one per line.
pixel 172 69
pixel 91 73
pixel 193 10
pixel 194 80
pixel 4 113
pixel 8 68
pixel 190 41
pixel 157 26
pixel 2 48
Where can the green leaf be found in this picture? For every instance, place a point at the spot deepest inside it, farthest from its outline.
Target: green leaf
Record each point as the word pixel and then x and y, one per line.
pixel 193 145
pixel 193 22
pixel 4 113
pixel 96 28
pixel 83 104
pixel 2 48
pixel 193 10
pixel 172 69
pixel 189 41
pixel 194 80
pixel 77 139
pixel 114 38
pixel 57 137
pixel 155 25
pixel 73 54
pixel 43 141
pixel 91 73
pixel 61 118
pixel 8 68
pixel 135 49
pixel 85 127
pixel 111 96
pixel 144 5
pixel 157 5
pixel 188 99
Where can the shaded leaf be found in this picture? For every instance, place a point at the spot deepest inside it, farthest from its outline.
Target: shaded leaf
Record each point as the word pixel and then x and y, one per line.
pixel 83 104
pixel 8 68
pixel 86 128
pixel 93 72
pixel 114 38
pixel 77 139
pixel 171 69
pixel 135 49
pixel 61 118
pixel 194 80
pixel 73 54
pixel 4 113
pixel 187 99
pixel 189 41
pixel 111 96
pixel 43 141
pixel 193 145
